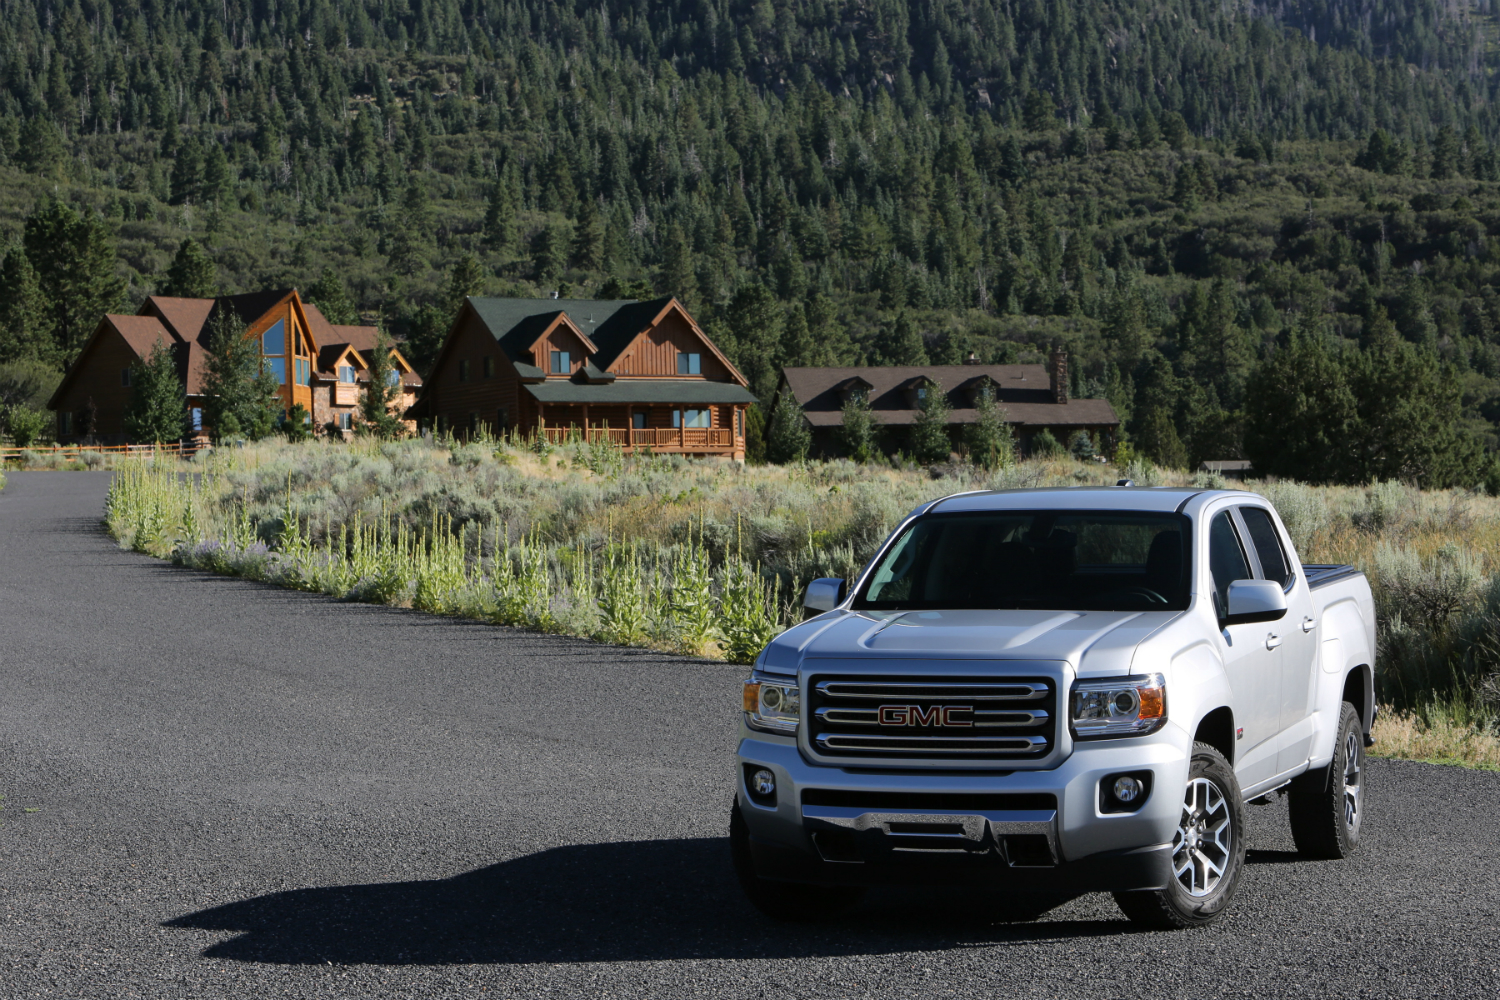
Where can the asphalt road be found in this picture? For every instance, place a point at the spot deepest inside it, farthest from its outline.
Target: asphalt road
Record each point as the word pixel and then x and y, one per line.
pixel 214 788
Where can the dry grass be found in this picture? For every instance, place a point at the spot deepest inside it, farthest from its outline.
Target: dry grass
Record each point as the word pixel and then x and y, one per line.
pixel 1443 741
pixel 1433 558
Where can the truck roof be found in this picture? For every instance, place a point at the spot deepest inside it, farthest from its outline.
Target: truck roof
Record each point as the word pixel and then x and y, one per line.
pixel 1165 499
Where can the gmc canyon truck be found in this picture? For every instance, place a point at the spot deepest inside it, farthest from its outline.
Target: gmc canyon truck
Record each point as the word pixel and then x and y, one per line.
pixel 1043 693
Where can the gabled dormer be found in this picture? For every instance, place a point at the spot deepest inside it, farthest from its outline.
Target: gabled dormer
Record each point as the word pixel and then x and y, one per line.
pixel 973 389
pixel 916 390
pixel 560 349
pixel 852 389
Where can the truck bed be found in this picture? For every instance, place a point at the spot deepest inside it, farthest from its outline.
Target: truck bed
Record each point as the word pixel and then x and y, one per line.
pixel 1322 574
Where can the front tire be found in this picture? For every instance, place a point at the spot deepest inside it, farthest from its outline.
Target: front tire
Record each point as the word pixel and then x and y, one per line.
pixel 788 901
pixel 1327 806
pixel 1208 851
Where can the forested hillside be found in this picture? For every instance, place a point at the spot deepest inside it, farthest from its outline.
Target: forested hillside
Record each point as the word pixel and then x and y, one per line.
pixel 1271 227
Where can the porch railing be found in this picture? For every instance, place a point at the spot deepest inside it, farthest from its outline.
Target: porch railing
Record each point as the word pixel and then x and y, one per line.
pixel 694 438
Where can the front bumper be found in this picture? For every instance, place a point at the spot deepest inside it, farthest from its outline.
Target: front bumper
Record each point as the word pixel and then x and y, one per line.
pixel 1058 836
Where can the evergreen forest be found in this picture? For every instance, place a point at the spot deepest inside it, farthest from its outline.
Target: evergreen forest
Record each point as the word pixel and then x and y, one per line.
pixel 1268 230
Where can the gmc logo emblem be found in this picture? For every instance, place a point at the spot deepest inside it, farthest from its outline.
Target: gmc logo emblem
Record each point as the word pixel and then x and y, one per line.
pixel 926 715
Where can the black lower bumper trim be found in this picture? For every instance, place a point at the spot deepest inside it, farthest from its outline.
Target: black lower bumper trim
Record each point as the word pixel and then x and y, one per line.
pixel 1110 871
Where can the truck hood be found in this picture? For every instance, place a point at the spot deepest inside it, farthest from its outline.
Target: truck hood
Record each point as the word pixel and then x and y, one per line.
pixel 1097 643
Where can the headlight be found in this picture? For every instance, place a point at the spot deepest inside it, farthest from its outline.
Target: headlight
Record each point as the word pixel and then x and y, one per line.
pixel 1119 706
pixel 772 704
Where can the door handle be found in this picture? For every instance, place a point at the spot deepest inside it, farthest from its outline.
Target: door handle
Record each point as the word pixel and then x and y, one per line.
pixel 1273 640
pixel 1308 624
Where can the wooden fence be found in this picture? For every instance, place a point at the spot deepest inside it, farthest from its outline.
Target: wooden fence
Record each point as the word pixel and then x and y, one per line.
pixel 181 450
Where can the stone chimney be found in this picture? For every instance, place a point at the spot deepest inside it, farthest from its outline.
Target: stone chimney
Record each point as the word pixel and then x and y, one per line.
pixel 1058 369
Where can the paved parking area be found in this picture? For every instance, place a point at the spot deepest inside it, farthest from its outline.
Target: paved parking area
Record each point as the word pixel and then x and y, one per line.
pixel 215 788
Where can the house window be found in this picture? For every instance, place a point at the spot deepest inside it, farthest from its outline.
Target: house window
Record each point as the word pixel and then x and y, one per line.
pixel 463 371
pixel 196 416
pixel 691 418
pixel 638 421
pixel 502 419
pixel 473 423
pixel 562 363
pixel 489 366
pixel 690 364
pixel 346 421
pixel 277 367
pixel 739 423
pixel 346 373
pixel 921 393
pixel 125 376
pixel 304 371
pixel 64 423
pixel 393 377
pixel 442 423
pixel 273 341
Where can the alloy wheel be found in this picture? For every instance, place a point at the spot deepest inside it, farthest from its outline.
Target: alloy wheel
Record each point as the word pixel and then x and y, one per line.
pixel 1205 838
pixel 1353 751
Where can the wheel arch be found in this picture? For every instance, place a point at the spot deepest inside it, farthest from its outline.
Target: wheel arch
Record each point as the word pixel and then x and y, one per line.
pixel 1359 691
pixel 1217 730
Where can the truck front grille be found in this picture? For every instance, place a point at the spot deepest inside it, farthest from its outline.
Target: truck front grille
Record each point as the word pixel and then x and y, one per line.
pixel 932 718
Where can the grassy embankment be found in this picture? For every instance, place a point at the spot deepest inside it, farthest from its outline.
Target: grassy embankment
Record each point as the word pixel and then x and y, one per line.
pixel 709 559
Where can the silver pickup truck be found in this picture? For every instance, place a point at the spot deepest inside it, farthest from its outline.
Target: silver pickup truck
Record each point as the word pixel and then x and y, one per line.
pixel 1043 693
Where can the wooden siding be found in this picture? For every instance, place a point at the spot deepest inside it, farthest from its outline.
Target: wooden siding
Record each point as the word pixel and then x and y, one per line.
pixel 654 353
pixel 560 338
pixel 453 401
pixel 99 377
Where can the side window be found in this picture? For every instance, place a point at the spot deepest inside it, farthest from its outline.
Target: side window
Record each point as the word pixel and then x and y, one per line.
pixel 1263 535
pixel 1226 560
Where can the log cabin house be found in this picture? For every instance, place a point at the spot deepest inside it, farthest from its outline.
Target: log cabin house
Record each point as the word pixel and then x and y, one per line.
pixel 640 374
pixel 1034 398
pixel 322 366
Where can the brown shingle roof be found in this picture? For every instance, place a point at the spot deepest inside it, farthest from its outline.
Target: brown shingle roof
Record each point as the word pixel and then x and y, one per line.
pixel 140 332
pixel 1024 391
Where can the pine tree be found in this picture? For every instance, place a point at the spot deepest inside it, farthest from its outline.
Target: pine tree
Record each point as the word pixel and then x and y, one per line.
pixel 193 274
pixel 989 439
pixel 929 431
pixel 677 277
pixel 74 258
pixel 156 409
pixel 381 395
pixel 241 397
pixel 331 297
pixel 467 278
pixel 25 331
pixel 500 216
pixel 901 344
pixel 859 429
pixel 588 237
pixel 790 438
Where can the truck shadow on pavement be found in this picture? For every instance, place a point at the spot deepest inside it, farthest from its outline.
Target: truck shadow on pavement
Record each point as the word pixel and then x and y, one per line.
pixel 637 901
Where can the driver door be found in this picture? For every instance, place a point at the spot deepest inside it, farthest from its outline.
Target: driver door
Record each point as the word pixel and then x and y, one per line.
pixel 1253 671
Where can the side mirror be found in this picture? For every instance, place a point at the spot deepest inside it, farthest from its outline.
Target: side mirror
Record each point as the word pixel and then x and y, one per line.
pixel 824 594
pixel 1255 601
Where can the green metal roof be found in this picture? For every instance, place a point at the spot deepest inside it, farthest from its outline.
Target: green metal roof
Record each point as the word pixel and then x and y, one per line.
pixel 610 323
pixel 620 391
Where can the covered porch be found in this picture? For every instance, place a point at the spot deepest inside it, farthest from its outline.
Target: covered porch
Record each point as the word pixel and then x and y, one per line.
pixel 688 417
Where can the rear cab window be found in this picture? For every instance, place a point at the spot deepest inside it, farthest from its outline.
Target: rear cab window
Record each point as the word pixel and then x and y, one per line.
pixel 1274 564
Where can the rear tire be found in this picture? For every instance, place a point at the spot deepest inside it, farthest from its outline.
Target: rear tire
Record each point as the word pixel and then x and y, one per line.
pixel 1327 806
pixel 1208 851
pixel 789 901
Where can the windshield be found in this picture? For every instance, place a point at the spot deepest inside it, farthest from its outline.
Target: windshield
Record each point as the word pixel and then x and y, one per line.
pixel 1038 559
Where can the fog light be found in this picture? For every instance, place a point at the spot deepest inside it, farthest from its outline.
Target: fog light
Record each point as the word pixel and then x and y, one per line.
pixel 763 782
pixel 1127 788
